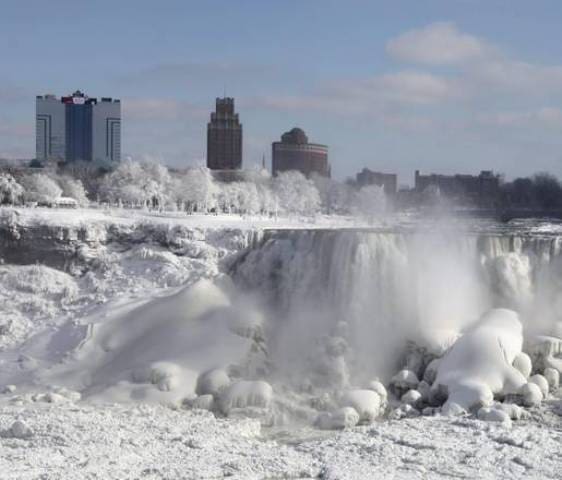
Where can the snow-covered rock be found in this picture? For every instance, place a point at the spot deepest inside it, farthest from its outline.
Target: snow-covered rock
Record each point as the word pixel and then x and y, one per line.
pixel 541 382
pixel 452 409
pixel 553 378
pixel 545 351
pixel 244 394
pixel 515 412
pixel 404 411
pixel 430 373
pixel 165 375
pixel 212 382
pixel 531 395
pixel 366 403
pixel 424 388
pixel 379 389
pixel 522 362
pixel 19 429
pixel 9 389
pixel 344 417
pixel 479 365
pixel 403 381
pixel 490 414
pixel 203 402
pixel 412 397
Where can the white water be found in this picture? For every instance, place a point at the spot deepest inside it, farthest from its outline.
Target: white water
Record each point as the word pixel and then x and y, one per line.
pixel 372 292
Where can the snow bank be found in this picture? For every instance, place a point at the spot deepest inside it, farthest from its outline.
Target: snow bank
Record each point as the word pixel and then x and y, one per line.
pixel 479 365
pixel 157 351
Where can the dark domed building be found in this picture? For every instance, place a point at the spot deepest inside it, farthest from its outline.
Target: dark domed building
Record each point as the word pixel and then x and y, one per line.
pixel 294 152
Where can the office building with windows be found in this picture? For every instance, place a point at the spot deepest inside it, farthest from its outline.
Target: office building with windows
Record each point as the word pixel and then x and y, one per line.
pixel 78 128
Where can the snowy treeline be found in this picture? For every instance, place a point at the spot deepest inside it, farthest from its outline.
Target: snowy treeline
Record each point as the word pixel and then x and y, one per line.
pixel 151 185
pixel 41 188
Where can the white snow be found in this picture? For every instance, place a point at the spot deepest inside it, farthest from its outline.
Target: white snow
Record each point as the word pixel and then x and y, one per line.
pixel 245 394
pixel 153 324
pixel 366 403
pixel 479 365
pixel 540 382
pixel 531 394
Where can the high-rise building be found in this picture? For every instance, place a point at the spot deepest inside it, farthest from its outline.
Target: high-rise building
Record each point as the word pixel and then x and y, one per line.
pixel 224 137
pixel 294 152
pixel 78 127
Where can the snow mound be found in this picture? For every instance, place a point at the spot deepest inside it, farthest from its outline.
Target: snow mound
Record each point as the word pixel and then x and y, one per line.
pixel 379 389
pixel 212 382
pixel 19 429
pixel 38 279
pixel 540 382
pixel 479 365
pixel 156 352
pixel 531 394
pixel 365 402
pixel 246 394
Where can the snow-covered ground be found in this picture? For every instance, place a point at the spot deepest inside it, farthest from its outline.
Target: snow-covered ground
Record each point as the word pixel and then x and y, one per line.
pixel 101 349
pixel 81 441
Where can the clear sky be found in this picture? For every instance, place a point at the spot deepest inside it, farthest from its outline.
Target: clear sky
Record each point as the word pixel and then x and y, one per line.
pixel 437 85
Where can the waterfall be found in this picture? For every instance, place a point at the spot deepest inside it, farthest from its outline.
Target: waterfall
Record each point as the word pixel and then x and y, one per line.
pixel 378 290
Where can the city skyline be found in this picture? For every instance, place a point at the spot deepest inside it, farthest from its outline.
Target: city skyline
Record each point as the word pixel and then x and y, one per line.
pixel 437 88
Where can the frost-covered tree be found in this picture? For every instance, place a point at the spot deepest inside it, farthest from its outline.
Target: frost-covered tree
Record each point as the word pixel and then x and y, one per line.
pixel 73 188
pixel 296 194
pixel 133 183
pixel 39 187
pixel 198 190
pixel 10 190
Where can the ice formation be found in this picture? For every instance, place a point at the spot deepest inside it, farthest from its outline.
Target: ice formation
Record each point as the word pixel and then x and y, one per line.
pixel 291 324
pixel 480 363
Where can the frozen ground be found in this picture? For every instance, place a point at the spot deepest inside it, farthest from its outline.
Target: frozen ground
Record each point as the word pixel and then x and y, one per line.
pixel 82 324
pixel 81 441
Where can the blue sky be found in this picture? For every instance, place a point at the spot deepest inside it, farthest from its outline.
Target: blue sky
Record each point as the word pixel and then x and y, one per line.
pixel 444 86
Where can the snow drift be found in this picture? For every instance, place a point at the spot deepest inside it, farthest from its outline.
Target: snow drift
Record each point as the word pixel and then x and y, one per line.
pixel 158 350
